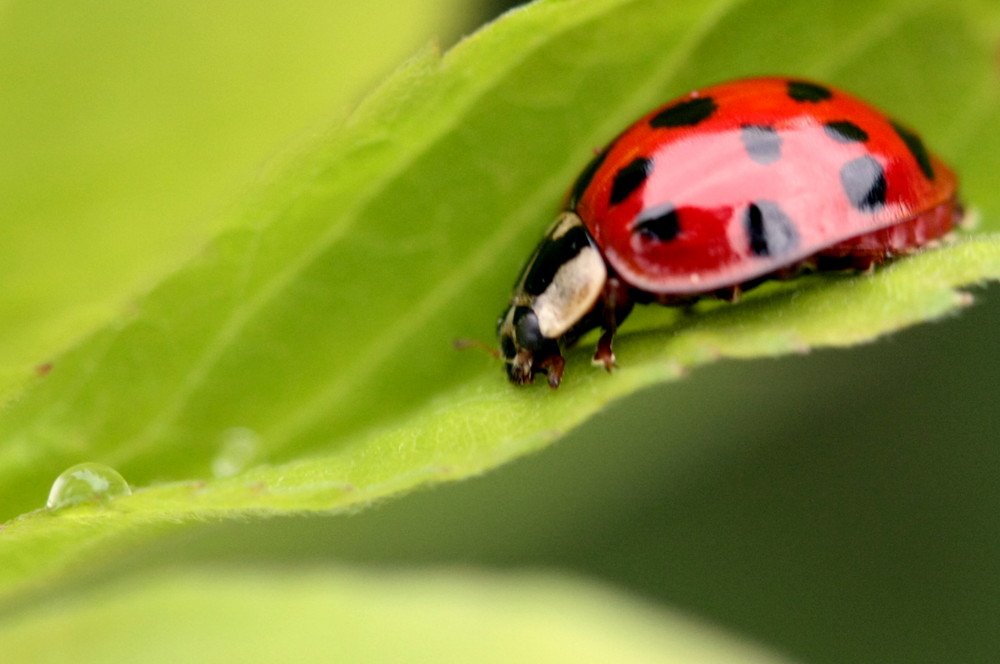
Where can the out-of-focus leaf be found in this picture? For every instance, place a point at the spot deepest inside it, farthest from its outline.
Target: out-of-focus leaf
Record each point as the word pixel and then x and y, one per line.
pixel 346 616
pixel 129 128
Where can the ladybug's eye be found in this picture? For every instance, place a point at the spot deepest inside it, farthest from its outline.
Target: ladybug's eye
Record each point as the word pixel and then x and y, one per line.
pixel 526 329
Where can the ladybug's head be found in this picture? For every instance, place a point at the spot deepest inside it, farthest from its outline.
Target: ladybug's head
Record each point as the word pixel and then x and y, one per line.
pixel 560 285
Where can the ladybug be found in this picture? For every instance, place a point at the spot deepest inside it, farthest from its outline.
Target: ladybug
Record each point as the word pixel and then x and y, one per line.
pixel 710 195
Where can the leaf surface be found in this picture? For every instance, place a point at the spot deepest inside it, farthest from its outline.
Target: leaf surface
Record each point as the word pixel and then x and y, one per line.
pixel 303 361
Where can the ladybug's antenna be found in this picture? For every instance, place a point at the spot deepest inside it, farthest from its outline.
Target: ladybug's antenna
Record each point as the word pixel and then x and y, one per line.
pixel 463 344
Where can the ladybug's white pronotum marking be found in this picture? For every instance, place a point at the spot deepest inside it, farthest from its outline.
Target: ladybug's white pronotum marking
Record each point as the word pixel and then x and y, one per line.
pixel 574 289
pixel 559 286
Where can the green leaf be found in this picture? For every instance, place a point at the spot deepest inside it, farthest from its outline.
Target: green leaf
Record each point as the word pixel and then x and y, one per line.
pixel 305 355
pixel 346 616
pixel 127 127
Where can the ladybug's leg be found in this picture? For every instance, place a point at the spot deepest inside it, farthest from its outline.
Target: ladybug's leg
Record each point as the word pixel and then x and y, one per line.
pixel 866 263
pixel 604 355
pixel 617 304
pixel 730 294
pixel 553 366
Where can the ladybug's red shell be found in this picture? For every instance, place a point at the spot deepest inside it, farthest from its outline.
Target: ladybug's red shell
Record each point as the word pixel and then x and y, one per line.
pixel 736 181
pixel 711 194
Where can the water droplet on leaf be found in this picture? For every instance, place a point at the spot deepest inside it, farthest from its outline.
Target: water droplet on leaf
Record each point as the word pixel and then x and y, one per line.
pixel 239 447
pixel 86 482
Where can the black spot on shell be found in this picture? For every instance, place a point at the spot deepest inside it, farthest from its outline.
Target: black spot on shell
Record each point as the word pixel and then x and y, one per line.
pixel 684 114
pixel 762 143
pixel 630 178
pixel 583 180
pixel 864 183
pixel 551 255
pixel 844 131
pixel 916 148
pixel 804 91
pixel 660 223
pixel 770 231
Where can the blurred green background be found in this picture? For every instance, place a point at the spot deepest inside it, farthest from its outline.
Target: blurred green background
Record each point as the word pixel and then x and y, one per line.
pixel 840 506
pixel 132 129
